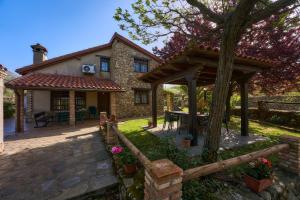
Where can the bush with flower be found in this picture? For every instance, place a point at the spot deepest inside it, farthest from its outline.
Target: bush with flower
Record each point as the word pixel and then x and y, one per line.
pixel 260 169
pixel 123 154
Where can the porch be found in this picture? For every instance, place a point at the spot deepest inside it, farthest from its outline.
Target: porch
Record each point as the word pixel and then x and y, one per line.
pixel 61 99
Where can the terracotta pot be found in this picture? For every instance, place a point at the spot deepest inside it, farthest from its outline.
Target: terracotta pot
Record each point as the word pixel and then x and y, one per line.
pixel 129 169
pixel 186 143
pixel 257 185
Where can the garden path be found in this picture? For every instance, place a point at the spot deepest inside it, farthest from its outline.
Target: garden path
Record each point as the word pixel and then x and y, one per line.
pixel 55 164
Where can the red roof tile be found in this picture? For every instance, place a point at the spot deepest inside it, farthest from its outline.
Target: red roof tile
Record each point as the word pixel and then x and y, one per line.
pixel 55 81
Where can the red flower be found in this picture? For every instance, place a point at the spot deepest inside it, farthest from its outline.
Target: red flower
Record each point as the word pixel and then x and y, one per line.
pixel 266 162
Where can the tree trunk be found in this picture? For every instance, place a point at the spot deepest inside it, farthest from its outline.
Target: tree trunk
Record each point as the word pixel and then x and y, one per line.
pixel 230 37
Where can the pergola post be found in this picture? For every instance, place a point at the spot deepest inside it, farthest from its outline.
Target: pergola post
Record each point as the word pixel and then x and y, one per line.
pixel 154 104
pixel 72 110
pixel 19 98
pixel 192 86
pixel 244 107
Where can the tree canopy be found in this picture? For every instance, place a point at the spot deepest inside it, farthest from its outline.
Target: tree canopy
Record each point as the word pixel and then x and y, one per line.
pixel 153 19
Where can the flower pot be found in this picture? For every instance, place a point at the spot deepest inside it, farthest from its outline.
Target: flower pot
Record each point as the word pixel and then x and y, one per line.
pixel 257 185
pixel 129 169
pixel 186 143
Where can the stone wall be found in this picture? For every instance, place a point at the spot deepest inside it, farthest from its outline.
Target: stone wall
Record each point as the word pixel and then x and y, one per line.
pixel 277 102
pixel 122 72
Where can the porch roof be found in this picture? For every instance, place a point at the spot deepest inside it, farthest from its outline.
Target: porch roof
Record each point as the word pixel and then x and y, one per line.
pixel 56 82
pixel 203 61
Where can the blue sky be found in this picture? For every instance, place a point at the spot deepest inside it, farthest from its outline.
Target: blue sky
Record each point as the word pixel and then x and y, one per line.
pixel 62 26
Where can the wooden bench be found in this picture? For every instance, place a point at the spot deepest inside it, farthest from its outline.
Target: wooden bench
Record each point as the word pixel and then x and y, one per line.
pixel 41 117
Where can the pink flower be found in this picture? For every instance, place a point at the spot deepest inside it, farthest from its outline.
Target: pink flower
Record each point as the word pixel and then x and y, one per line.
pixel 266 162
pixel 116 149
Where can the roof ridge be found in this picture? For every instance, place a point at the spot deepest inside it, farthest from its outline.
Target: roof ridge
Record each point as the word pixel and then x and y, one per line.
pixel 62 58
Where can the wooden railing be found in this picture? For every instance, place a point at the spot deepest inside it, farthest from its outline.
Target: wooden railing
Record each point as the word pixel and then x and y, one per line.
pixel 222 165
pixel 135 151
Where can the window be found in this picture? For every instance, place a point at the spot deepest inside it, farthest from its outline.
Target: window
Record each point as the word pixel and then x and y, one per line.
pixel 104 64
pixel 141 96
pixel 80 100
pixel 140 65
pixel 60 101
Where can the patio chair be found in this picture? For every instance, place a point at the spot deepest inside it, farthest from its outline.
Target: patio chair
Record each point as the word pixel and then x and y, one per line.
pixel 62 117
pixel 79 116
pixel 92 111
pixel 41 117
pixel 170 118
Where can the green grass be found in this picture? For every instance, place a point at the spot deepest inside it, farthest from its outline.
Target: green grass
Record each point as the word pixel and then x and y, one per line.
pixel 156 149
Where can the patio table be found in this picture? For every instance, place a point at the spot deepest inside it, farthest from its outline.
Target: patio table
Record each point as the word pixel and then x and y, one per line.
pixel 201 118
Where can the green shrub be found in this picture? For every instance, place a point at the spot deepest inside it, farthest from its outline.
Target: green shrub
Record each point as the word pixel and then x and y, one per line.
pixel 276 119
pixel 9 109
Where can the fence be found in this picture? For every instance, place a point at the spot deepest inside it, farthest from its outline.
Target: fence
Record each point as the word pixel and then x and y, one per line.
pixel 163 179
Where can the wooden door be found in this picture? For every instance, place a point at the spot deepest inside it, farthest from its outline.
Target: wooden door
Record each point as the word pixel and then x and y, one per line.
pixel 104 102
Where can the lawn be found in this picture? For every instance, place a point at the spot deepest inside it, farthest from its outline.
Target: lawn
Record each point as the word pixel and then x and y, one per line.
pixel 207 187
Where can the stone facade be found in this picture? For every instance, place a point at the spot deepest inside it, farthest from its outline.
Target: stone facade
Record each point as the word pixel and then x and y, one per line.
pixel 122 72
pixel 290 159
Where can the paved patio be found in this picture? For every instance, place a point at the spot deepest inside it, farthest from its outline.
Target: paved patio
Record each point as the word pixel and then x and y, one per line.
pixel 55 163
pixel 229 139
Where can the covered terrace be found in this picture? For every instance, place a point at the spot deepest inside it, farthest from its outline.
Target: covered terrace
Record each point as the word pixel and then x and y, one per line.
pixel 197 66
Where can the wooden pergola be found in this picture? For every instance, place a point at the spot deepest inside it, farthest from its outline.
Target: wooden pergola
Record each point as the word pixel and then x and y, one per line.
pixel 197 66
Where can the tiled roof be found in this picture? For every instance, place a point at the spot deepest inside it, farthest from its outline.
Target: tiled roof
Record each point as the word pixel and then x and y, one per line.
pixel 116 36
pixel 213 51
pixel 55 81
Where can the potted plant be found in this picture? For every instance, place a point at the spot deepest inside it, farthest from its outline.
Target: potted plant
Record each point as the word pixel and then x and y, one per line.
pixel 126 159
pixel 259 175
pixel 186 142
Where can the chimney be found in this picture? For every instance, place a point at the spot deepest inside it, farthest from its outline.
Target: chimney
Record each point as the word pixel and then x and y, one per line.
pixel 39 53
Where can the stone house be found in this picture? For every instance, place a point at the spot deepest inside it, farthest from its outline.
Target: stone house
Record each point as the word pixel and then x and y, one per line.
pixel 101 78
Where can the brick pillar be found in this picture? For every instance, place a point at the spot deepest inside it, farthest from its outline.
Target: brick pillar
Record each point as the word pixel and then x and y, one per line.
pixel 72 112
pixel 2 76
pixel 29 108
pixel 163 181
pixel 290 159
pixel 19 95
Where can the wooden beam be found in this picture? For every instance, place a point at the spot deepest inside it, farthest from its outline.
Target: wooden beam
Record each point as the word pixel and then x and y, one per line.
pixel 178 75
pixel 192 86
pixel 244 108
pixel 154 104
pixel 214 63
pixel 225 164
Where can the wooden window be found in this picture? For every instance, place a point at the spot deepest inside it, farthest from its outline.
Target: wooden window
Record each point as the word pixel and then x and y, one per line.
pixel 141 96
pixel 140 65
pixel 60 101
pixel 80 101
pixel 104 64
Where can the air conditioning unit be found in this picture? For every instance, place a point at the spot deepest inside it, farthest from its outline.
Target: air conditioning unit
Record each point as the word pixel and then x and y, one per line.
pixel 88 69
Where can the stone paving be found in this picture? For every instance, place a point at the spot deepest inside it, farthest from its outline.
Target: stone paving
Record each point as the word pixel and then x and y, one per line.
pixel 55 164
pixel 229 139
